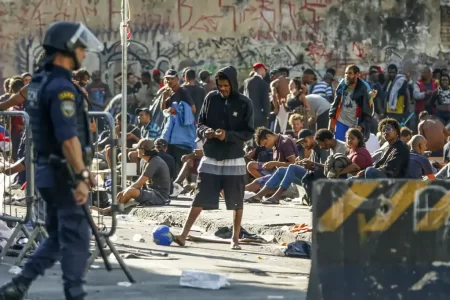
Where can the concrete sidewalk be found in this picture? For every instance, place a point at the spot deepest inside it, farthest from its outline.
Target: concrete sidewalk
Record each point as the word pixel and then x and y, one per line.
pixel 268 220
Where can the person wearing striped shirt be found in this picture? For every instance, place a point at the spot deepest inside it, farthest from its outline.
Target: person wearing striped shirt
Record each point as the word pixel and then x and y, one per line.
pixel 324 88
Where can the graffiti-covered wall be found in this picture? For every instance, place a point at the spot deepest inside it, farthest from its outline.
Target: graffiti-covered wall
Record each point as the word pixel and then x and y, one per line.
pixel 208 34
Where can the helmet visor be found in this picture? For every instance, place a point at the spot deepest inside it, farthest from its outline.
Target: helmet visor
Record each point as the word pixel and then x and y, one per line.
pixel 85 38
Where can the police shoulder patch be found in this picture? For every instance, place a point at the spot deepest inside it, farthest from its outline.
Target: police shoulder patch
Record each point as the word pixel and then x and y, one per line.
pixel 68 108
pixel 66 95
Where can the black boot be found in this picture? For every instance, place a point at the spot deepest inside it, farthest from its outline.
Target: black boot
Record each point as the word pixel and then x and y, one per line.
pixel 15 289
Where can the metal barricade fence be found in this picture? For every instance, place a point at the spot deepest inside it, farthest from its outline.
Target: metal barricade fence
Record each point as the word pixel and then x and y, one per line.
pixel 28 222
pixel 104 167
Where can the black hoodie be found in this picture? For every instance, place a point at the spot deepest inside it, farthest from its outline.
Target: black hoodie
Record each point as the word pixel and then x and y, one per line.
pixel 234 115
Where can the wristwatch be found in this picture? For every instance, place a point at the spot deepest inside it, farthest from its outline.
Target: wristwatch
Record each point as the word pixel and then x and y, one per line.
pixel 83 176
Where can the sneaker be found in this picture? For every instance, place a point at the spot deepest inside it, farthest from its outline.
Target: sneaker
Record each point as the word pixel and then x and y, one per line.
pixel 177 189
pixel 248 195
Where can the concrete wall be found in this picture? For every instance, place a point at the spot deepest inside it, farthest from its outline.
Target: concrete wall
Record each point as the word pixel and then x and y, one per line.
pixel 209 34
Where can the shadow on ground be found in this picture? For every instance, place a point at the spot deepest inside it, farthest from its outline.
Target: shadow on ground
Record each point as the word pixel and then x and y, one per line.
pixel 158 279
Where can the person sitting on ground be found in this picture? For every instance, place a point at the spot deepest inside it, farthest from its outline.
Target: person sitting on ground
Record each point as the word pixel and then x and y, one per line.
pixel 282 179
pixel 259 155
pixel 284 154
pixel 419 165
pixel 327 142
pixel 394 162
pixel 190 165
pixel 152 186
pixel 357 153
pixel 405 134
pixel 296 124
pixel 434 132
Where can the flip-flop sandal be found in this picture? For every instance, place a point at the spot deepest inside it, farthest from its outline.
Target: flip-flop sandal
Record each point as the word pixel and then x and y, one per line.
pixel 177 241
pixel 271 202
pixel 236 247
pixel 252 200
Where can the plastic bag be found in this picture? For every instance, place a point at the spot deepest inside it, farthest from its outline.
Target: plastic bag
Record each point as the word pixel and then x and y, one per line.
pixel 203 280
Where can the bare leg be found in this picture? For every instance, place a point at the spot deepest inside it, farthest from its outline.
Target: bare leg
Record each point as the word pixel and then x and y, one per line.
pixel 252 168
pixel 263 192
pixel 252 187
pixel 237 221
pixel 130 193
pixel 185 172
pixel 277 196
pixel 193 215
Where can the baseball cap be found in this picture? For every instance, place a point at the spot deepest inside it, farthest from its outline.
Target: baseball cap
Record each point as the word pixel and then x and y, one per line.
pixel 156 72
pixel 259 65
pixel 304 133
pixel 144 109
pixel 161 143
pixel 170 74
pixel 146 144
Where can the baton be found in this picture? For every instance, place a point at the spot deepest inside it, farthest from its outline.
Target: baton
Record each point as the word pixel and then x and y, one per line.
pixel 97 237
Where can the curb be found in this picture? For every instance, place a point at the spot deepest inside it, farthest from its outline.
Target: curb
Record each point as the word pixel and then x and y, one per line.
pixel 176 218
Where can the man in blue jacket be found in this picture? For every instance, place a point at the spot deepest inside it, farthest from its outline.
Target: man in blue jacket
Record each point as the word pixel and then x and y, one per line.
pixel 226 122
pixel 173 97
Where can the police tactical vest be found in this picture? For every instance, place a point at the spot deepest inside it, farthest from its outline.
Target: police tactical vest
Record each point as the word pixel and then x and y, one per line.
pixel 84 128
pixel 43 134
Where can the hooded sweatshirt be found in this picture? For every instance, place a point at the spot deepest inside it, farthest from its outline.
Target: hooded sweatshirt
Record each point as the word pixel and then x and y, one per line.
pixel 233 114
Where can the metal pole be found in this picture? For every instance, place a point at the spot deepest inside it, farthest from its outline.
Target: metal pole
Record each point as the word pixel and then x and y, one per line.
pixel 123 135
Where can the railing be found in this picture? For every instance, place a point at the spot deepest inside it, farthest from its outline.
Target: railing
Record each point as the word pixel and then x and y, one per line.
pixel 16 147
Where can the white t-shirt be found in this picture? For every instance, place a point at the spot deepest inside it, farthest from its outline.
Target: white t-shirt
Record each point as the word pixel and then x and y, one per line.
pixel 372 144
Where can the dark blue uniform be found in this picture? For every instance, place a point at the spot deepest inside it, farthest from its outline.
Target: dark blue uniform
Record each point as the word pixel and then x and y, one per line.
pixel 57 113
pixel 56 109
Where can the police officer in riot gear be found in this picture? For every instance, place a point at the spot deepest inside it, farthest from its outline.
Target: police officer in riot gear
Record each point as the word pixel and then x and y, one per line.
pixel 62 142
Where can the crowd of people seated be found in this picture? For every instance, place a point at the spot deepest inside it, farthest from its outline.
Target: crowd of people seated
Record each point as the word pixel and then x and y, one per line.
pixel 361 126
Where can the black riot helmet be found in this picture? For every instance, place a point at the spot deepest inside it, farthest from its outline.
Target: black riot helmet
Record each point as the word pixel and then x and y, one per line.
pixel 65 37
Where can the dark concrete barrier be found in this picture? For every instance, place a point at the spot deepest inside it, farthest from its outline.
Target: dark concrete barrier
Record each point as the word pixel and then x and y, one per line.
pixel 383 240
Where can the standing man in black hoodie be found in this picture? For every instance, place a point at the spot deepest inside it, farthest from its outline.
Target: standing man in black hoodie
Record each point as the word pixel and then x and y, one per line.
pixel 226 122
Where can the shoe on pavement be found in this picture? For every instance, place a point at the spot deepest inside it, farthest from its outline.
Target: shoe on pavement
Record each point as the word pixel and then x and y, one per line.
pixel 13 291
pixel 177 189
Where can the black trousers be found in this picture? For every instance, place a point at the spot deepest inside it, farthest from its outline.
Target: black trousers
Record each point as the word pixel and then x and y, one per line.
pixel 177 152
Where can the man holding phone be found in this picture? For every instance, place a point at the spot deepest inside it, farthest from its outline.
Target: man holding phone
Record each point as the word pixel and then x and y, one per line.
pixel 226 122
